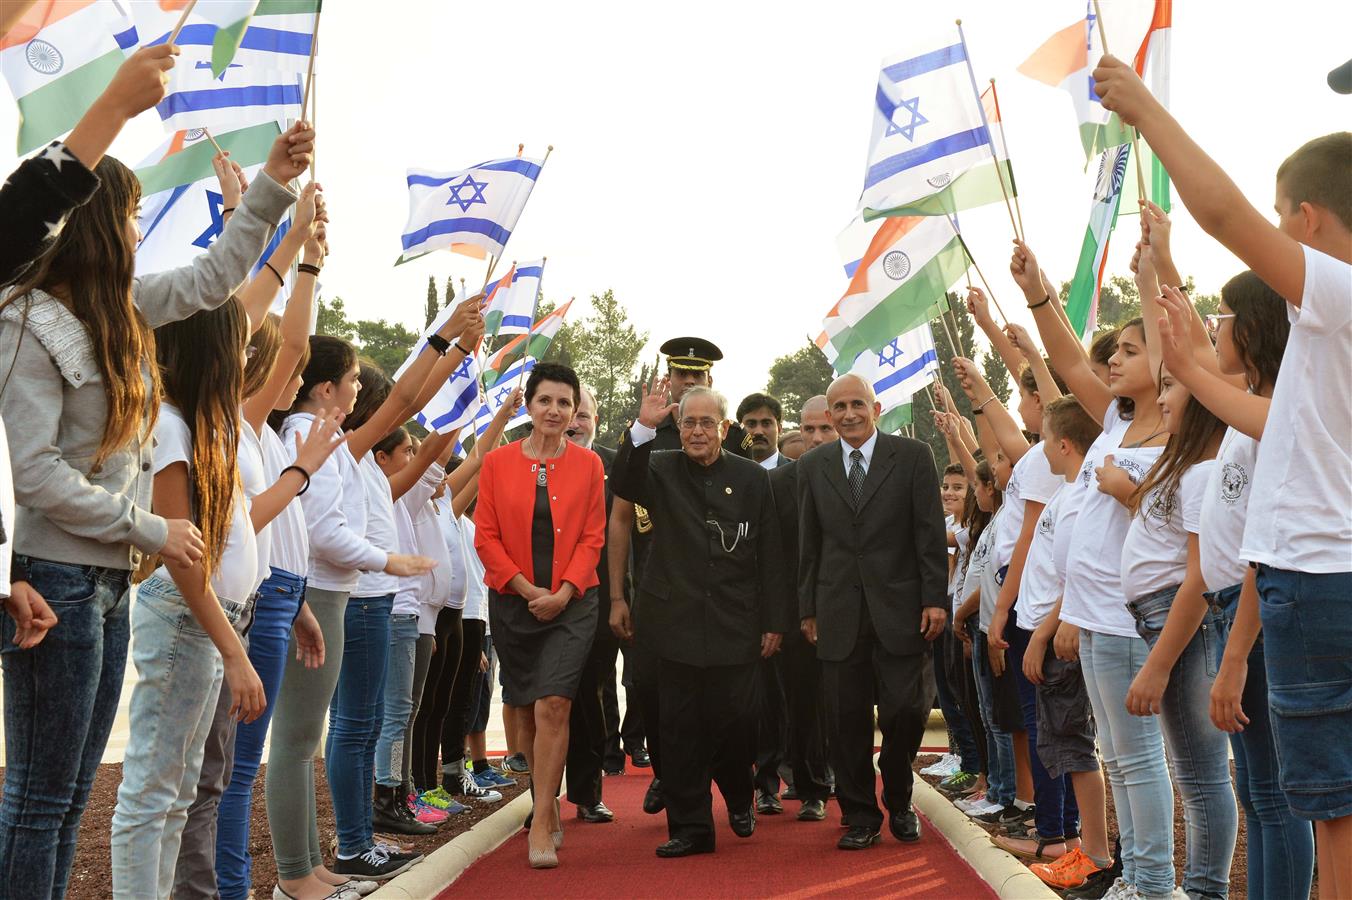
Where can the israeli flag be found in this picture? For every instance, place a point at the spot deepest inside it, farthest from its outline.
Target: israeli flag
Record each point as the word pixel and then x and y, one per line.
pixel 479 206
pixel 498 394
pixel 928 125
pixel 511 307
pixel 456 403
pixel 901 369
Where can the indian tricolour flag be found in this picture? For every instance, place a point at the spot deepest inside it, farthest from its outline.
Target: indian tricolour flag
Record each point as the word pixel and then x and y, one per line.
pixel 532 344
pixel 510 305
pixel 900 281
pixel 897 372
pixel 1082 304
pixel 58 58
pixel 1067 59
pixel 182 210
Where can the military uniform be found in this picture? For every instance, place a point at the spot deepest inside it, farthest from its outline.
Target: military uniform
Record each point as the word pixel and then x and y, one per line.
pixel 709 589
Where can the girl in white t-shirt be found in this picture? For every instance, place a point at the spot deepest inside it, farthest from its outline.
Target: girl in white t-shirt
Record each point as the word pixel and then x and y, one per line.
pixel 1163 586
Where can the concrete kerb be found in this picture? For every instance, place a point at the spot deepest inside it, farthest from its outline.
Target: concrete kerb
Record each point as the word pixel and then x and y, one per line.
pixel 1008 877
pixel 436 873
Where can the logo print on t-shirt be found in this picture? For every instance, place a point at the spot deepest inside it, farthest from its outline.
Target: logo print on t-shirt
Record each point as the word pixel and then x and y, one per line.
pixel 1086 473
pixel 1160 505
pixel 1233 480
pixel 1135 471
pixel 1045 526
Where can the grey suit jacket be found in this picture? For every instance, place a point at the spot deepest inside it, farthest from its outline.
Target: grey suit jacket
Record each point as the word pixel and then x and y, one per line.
pixel 889 554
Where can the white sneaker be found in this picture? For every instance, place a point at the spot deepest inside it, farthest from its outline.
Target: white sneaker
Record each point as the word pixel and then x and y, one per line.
pixel 945 766
pixel 977 799
pixel 471 791
pixel 984 809
pixel 1119 890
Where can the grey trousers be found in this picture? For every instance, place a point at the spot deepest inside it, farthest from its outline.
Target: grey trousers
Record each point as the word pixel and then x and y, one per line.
pixel 297 726
pixel 195 872
pixel 422 661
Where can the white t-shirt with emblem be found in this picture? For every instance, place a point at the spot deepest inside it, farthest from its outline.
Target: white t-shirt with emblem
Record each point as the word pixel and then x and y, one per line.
pixel 1300 512
pixel 1224 508
pixel 982 559
pixel 1041 584
pixel 1092 597
pixel 1155 553
pixel 1031 481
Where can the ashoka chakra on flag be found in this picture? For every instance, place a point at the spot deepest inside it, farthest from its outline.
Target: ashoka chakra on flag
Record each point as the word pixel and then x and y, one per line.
pixel 43 57
pixel 897 265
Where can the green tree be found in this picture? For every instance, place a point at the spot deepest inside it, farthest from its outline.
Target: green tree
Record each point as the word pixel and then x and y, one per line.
pixel 450 292
pixel 433 307
pixel 332 320
pixel 997 376
pixel 387 344
pixel 797 376
pixel 612 346
pixel 1120 300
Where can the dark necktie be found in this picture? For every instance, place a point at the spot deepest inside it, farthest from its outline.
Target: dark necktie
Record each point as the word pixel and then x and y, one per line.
pixel 856 475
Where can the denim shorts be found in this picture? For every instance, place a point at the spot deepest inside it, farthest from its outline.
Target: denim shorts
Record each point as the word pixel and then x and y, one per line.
pixel 1307 628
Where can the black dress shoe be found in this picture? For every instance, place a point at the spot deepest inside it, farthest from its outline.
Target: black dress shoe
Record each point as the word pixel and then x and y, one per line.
pixel 595 814
pixel 859 837
pixel 615 771
pixel 652 800
pixel 743 823
pixel 682 847
pixel 812 811
pixel 905 826
pixel 767 804
pixel 641 758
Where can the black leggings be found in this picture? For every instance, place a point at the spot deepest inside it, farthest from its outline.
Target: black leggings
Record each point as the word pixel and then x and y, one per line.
pixel 436 700
pixel 456 725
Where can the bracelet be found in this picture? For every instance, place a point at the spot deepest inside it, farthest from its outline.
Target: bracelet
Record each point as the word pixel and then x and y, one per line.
pixel 280 280
pixel 438 343
pixel 1043 302
pixel 308 269
pixel 304 474
pixel 228 209
pixel 983 404
pixel 978 412
pixel 461 348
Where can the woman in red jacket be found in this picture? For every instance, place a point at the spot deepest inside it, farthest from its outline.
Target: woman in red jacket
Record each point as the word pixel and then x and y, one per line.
pixel 539 529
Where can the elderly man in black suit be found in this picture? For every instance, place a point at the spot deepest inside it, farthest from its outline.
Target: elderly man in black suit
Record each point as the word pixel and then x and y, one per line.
pixel 872 576
pixel 713 600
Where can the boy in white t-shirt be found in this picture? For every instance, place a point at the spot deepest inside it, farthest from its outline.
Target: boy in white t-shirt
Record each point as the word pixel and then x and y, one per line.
pixel 1299 528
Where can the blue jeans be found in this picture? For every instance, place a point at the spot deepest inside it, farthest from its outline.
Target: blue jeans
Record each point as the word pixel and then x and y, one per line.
pixel 999 744
pixel 964 741
pixel 394 727
pixel 60 702
pixel 1198 751
pixel 1057 813
pixel 354 719
pixel 179 676
pixel 1307 625
pixel 279 601
pixel 1133 755
pixel 1280 848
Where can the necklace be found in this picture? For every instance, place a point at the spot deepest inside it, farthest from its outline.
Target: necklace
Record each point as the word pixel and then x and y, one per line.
pixel 1143 441
pixel 539 468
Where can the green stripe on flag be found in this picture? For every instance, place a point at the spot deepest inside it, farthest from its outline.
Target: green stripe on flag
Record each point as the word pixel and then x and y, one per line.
pixel 53 109
pixel 1099 137
pixel 921 297
pixel 892 420
pixel 1082 287
pixel 247 146
pixel 286 7
pixel 535 345
pixel 975 187
pixel 226 45
pixel 1159 184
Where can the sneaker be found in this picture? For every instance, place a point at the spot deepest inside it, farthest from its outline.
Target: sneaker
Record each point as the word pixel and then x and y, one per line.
pixel 1067 873
pixel 1013 815
pixel 1118 890
pixel 372 865
pixel 945 766
pixel 978 799
pixel 992 817
pixel 471 791
pixel 957 784
pixel 983 809
pixel 1095 886
pixel 515 765
pixel 396 853
pixel 491 778
pixel 425 812
pixel 439 799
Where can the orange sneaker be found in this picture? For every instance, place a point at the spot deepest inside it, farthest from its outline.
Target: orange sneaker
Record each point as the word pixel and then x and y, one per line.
pixel 1070 871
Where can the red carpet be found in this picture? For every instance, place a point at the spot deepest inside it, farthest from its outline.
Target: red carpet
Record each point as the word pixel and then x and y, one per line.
pixel 784 858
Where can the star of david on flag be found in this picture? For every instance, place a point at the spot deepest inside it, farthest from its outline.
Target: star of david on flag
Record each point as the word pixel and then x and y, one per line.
pixel 456 402
pixel 899 371
pixel 497 396
pixel 907 147
pixel 478 206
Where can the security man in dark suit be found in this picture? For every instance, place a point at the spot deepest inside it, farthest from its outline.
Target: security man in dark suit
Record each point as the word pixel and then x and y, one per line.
pixel 712 602
pixel 872 576
pixel 800 670
pixel 690 363
pixel 587 723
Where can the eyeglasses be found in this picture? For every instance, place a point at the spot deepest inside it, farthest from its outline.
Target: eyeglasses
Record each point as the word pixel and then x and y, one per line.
pixel 705 424
pixel 1213 321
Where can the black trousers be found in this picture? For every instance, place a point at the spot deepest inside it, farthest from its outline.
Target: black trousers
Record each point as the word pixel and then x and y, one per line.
pixel 647 687
pixel 708 735
pixel 587 726
pixel 902 688
pixel 436 702
pixel 807 718
pixel 456 725
pixel 623 736
pixel 772 731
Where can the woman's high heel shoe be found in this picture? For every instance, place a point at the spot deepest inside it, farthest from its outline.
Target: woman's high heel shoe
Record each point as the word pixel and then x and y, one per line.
pixel 557 836
pixel 543 859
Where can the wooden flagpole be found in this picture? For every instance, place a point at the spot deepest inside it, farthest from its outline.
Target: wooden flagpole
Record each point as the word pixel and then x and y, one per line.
pixel 182 20
pixel 954 316
pixel 990 141
pixel 979 274
pixel 952 341
pixel 1135 144
pixel 1004 143
pixel 207 132
pixel 310 71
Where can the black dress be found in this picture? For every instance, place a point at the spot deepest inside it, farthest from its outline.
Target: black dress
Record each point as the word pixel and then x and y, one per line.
pixel 541 659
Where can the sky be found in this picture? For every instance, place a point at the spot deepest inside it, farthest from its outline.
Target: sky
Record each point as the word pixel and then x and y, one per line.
pixel 706 155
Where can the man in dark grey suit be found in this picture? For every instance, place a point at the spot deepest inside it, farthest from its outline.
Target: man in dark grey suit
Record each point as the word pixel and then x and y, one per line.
pixel 872 577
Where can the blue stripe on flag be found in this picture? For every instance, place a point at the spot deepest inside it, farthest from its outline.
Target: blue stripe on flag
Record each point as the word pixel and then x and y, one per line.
pixel 468 396
pixel 173 198
pixel 954 143
pixel 912 368
pixel 852 267
pixel 487 227
pixel 225 98
pixel 126 39
pixel 926 62
pixel 516 321
pixel 519 166
pixel 529 272
pixel 277 236
pixel 273 40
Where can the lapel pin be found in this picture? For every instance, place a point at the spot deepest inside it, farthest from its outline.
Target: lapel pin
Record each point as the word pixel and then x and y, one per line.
pixel 727 490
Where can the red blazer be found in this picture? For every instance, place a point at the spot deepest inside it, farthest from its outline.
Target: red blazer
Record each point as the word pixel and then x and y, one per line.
pixel 506 507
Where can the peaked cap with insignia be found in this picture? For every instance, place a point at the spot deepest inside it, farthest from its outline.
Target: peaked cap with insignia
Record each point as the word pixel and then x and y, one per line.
pixel 691 354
